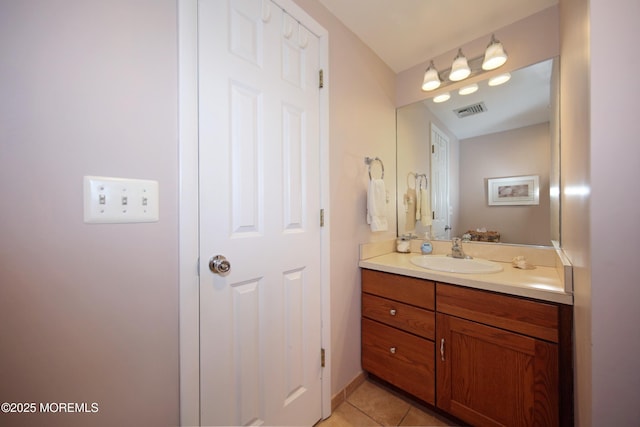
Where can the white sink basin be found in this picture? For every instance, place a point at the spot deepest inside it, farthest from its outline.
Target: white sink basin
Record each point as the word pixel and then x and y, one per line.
pixel 456 265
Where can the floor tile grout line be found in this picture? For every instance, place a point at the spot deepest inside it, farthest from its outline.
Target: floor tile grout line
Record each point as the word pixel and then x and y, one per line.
pixel 364 413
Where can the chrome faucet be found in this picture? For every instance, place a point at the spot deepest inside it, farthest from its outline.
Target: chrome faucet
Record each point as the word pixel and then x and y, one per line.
pixel 456 249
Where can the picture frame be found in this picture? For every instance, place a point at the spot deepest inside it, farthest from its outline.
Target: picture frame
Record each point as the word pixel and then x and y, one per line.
pixel 516 190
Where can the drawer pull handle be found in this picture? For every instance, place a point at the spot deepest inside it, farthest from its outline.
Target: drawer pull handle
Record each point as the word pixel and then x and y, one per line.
pixel 392 312
pixel 392 350
pixel 442 349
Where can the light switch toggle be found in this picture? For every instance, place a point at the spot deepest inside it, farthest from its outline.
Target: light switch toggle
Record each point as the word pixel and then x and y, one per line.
pixel 120 200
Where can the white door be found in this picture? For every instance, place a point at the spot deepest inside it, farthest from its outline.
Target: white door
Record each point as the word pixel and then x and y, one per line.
pixel 440 228
pixel 260 329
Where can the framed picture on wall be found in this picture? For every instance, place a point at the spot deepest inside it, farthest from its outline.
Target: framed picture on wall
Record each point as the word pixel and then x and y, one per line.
pixel 516 190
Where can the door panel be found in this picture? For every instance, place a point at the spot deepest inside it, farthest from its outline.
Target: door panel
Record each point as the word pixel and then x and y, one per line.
pixel 259 203
pixel 440 184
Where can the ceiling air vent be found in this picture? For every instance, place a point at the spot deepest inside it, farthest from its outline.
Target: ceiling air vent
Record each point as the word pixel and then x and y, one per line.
pixel 470 110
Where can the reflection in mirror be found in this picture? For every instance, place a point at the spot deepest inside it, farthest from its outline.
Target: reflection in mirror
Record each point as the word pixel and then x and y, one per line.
pixel 511 130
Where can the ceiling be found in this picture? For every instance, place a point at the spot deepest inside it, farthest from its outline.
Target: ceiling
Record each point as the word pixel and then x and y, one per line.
pixel 404 33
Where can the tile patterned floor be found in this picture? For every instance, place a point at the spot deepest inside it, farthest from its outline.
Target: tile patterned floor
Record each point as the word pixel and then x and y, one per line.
pixel 372 404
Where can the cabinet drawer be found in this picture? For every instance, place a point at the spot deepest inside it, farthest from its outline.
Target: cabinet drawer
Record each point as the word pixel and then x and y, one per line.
pixel 533 318
pixel 408 318
pixel 418 292
pixel 402 359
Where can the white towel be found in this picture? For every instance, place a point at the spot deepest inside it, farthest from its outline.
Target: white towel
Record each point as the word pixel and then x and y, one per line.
pixel 425 207
pixel 377 205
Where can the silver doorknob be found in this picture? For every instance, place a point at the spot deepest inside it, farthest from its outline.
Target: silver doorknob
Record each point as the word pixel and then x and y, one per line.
pixel 219 265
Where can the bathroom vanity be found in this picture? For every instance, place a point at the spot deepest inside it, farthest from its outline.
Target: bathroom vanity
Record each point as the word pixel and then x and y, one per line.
pixel 468 344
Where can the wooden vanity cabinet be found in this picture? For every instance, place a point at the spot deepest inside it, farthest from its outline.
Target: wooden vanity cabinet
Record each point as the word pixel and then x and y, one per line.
pixel 398 329
pixel 487 358
pixel 498 358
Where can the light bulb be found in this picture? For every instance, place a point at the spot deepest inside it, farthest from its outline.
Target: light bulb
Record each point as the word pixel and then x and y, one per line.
pixel 494 56
pixel 460 68
pixel 431 78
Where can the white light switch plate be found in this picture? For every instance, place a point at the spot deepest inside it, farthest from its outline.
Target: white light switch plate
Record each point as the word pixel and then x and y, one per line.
pixel 120 200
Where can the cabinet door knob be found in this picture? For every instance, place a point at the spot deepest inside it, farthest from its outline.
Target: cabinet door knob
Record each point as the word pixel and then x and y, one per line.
pixel 392 312
pixel 442 349
pixel 392 350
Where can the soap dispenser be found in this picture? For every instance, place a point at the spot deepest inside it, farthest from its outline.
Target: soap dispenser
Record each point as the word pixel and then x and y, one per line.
pixel 426 248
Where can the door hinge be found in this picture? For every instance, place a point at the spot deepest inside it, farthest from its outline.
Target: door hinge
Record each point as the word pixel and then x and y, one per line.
pixel 321 217
pixel 433 149
pixel 433 214
pixel 321 79
pixel 322 357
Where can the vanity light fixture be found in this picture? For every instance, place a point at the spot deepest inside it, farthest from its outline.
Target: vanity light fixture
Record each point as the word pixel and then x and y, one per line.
pixel 442 97
pixel 469 89
pixel 494 56
pixel 460 68
pixel 499 79
pixel 431 78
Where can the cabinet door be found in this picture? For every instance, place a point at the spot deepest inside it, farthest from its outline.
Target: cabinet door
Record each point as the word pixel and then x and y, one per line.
pixel 492 377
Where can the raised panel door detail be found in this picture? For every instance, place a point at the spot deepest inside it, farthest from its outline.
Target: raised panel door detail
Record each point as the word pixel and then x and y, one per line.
pixel 246 160
pixel 294 351
pixel 245 33
pixel 293 149
pixel 247 348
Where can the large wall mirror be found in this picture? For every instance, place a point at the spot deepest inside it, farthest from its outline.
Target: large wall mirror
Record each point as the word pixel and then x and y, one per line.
pixel 470 161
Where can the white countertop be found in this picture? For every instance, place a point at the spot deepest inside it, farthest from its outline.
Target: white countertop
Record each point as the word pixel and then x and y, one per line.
pixel 541 283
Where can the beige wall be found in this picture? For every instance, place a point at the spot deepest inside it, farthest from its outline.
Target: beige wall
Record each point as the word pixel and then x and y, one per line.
pixel 523 151
pixel 362 123
pixel 88 313
pixel 599 220
pixel 575 171
pixel 614 211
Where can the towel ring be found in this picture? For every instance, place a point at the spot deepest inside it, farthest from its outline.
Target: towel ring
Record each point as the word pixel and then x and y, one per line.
pixel 370 160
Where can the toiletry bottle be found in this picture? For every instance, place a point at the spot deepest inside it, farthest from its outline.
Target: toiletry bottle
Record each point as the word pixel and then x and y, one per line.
pixel 403 245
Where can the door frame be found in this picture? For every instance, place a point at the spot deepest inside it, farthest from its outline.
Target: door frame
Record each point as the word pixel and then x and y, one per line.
pixel 189 280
